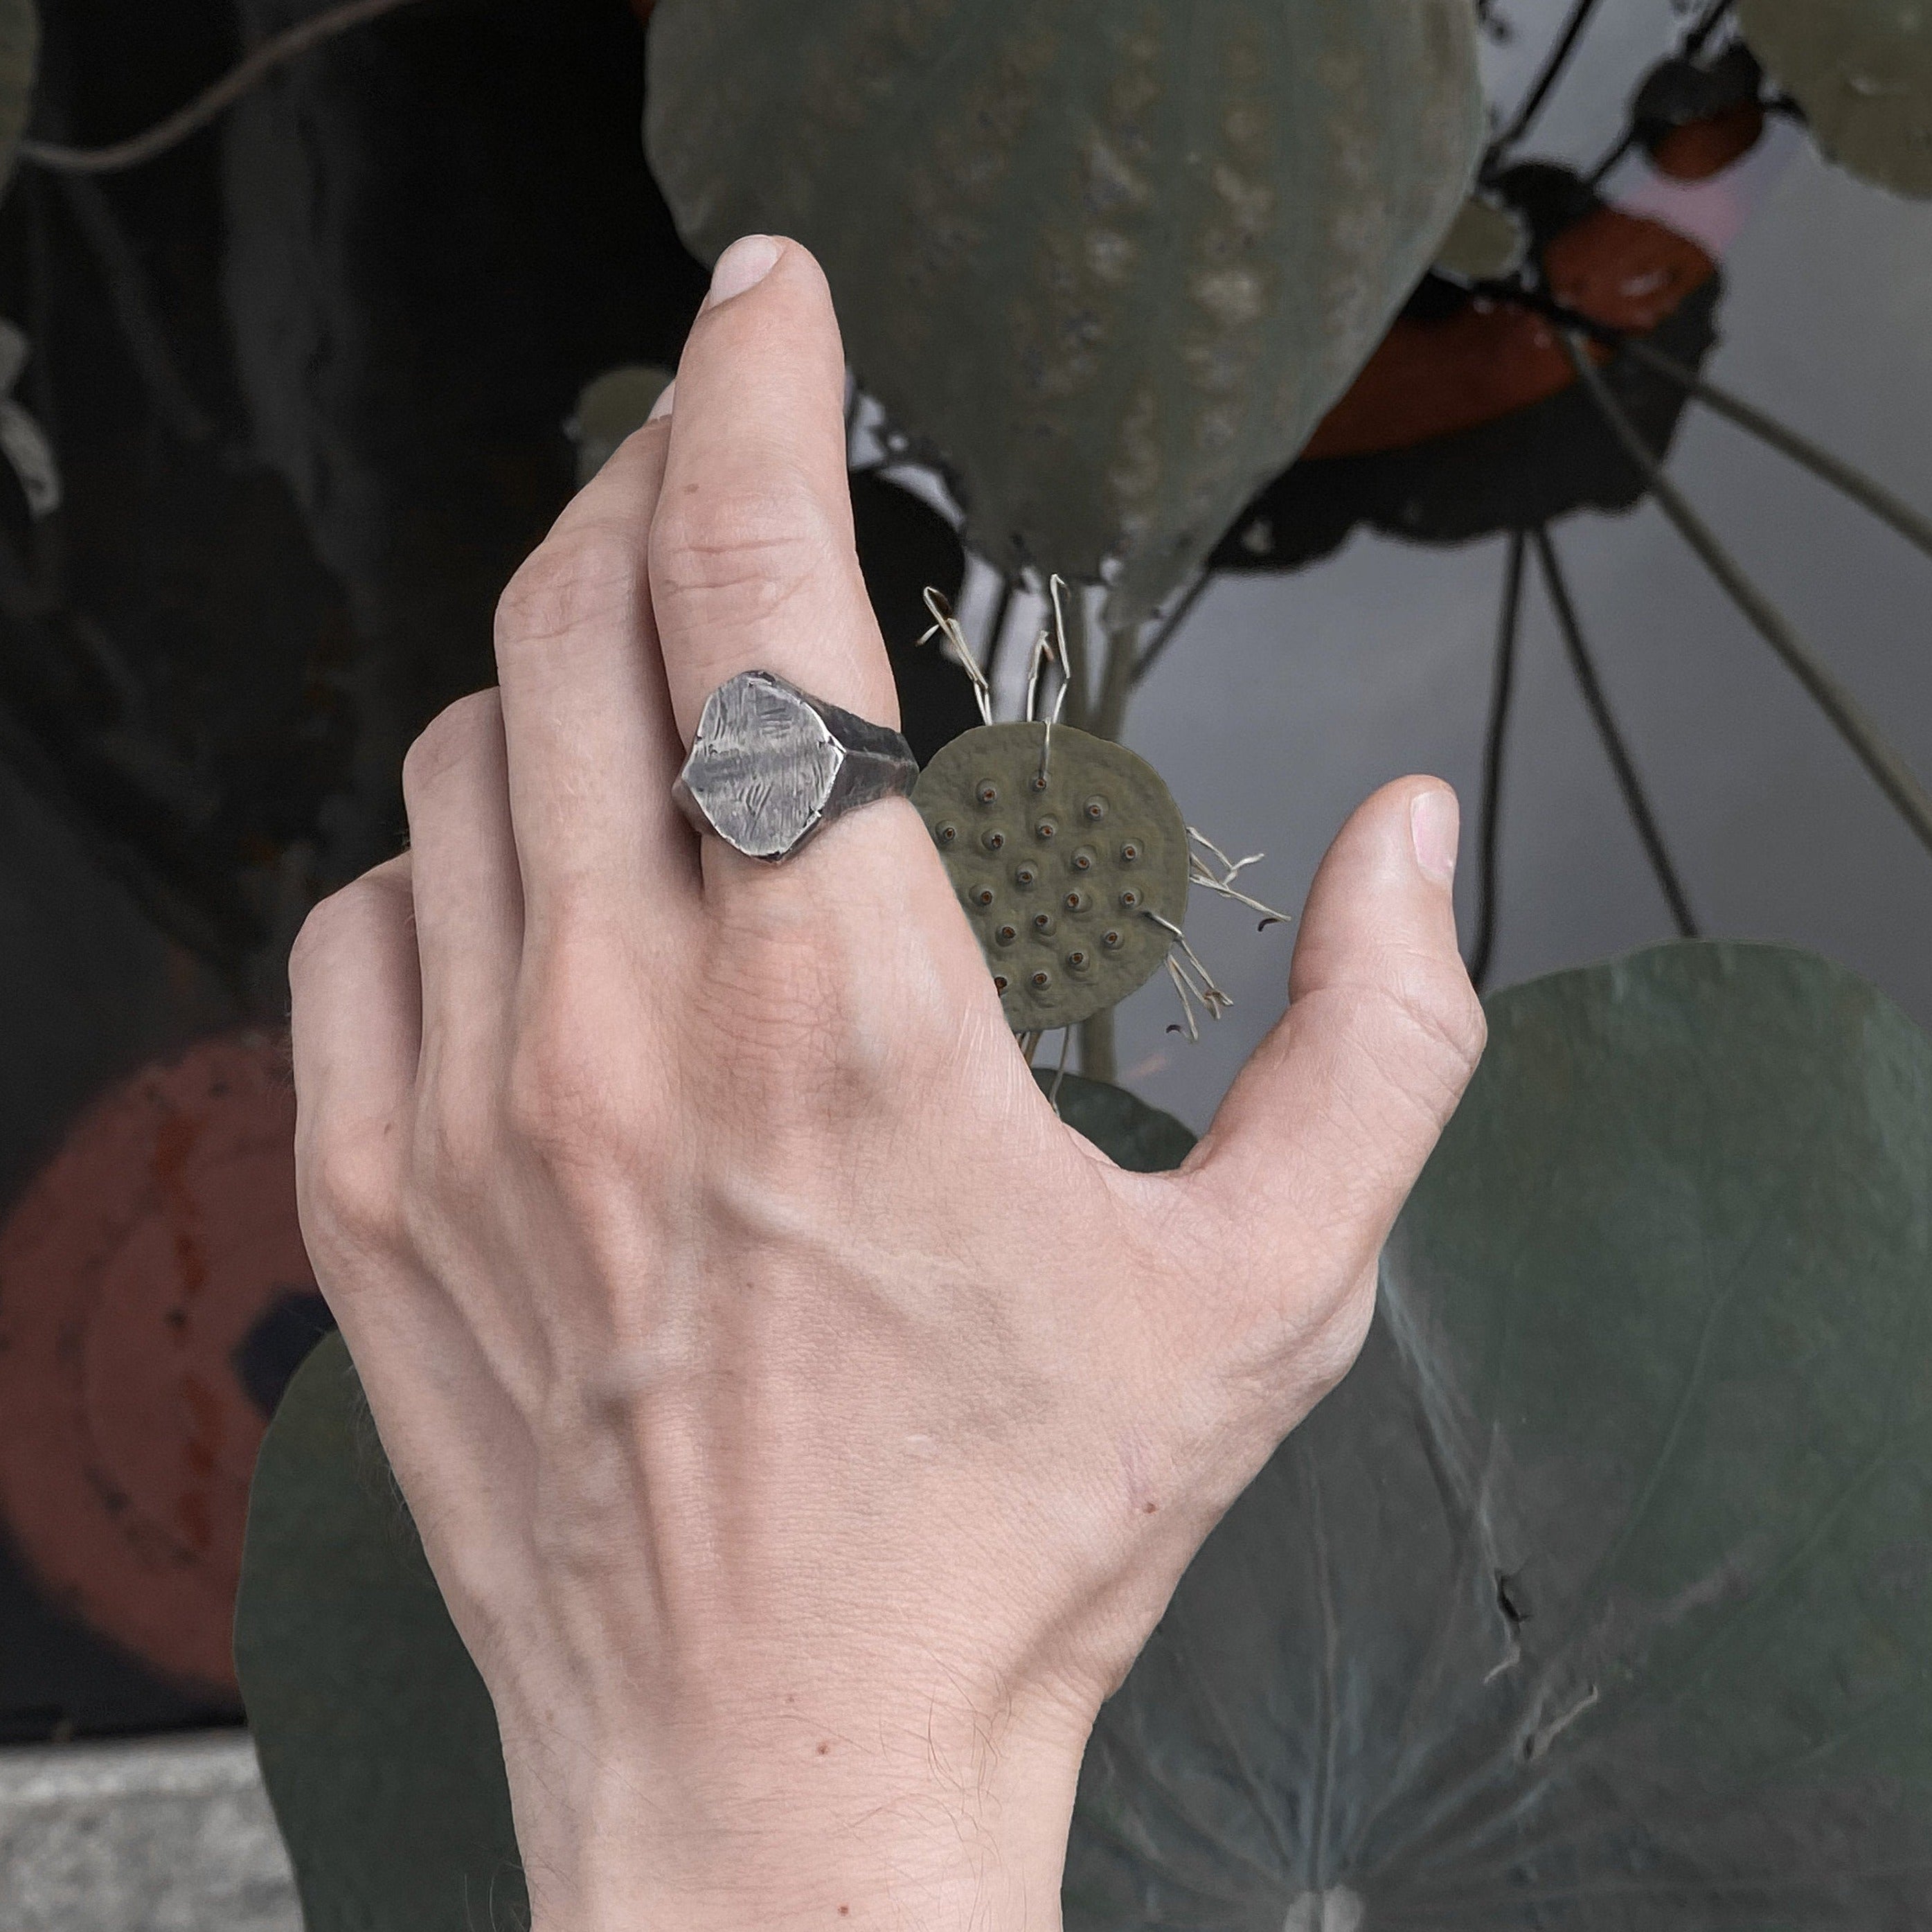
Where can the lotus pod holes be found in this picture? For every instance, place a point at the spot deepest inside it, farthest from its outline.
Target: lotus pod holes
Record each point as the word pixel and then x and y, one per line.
pixel 1063 848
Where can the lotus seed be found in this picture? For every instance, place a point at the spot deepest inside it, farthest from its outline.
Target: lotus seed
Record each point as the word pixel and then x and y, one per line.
pixel 994 839
pixel 1096 809
pixel 1046 829
pixel 989 794
pixel 1042 922
pixel 1083 859
pixel 982 895
pixel 1026 875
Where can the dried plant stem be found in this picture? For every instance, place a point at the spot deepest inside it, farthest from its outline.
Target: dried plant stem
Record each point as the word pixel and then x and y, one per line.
pixel 1099 1047
pixel 1069 627
pixel 997 626
pixel 1622 765
pixel 1117 679
pixel 1911 524
pixel 1893 777
pixel 1059 1072
pixel 1553 71
pixel 1168 627
pixel 1715 15
pixel 946 627
pixel 1502 698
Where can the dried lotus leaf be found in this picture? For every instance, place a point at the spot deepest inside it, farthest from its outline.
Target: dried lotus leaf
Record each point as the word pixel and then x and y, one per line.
pixel 1861 70
pixel 1111 263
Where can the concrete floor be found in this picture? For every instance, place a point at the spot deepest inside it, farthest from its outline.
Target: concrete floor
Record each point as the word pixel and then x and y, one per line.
pixel 171 1835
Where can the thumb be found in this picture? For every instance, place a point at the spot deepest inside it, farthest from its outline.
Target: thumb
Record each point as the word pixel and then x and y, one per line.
pixel 1318 1142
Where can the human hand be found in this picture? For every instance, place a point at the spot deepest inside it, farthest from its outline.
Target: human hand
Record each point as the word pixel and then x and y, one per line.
pixel 806 1428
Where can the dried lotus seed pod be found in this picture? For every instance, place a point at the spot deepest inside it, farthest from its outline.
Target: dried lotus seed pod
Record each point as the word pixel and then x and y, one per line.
pixel 1060 858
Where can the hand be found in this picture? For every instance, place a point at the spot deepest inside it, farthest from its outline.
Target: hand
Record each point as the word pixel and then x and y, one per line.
pixel 806 1428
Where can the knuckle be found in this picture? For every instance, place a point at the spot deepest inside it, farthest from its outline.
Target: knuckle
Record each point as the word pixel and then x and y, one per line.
pixel 559 1103
pixel 332 924
pixel 448 739
pixel 314 942
pixel 573 1095
pixel 1336 1339
pixel 1436 1025
pixel 589 573
pixel 455 1144
pixel 736 554
pixel 351 1199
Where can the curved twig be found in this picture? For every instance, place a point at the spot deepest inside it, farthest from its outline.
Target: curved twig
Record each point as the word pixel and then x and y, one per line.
pixel 248 72
pixel 1893 776
pixel 1911 524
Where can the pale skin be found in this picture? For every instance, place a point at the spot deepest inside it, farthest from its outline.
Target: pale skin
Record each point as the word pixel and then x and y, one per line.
pixel 805 1427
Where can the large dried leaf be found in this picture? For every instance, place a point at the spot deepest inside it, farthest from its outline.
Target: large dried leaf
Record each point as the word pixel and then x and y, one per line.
pixel 1861 70
pixel 1600 1597
pixel 376 1737
pixel 1113 263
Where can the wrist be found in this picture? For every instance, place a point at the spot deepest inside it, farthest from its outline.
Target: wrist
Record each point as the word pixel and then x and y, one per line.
pixel 855 1830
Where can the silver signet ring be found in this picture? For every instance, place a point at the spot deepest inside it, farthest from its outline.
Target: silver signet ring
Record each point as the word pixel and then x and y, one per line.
pixel 772 766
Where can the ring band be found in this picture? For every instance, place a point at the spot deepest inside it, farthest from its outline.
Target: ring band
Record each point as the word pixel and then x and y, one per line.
pixel 772 766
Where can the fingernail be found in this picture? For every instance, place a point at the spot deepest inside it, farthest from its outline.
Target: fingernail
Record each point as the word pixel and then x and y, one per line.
pixel 663 406
pixel 1435 828
pixel 743 266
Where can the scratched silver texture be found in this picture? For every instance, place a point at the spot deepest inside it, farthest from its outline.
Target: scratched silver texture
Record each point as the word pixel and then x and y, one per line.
pixel 771 766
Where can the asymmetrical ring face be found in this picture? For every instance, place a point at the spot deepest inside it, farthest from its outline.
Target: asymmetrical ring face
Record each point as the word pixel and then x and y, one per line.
pixel 772 766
